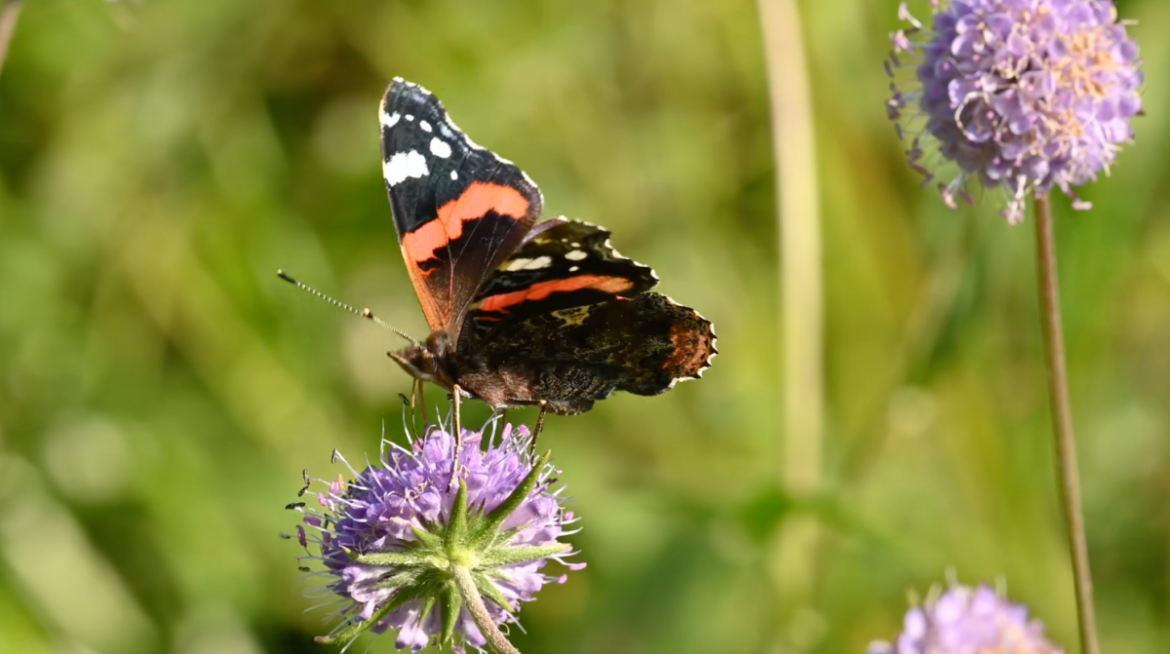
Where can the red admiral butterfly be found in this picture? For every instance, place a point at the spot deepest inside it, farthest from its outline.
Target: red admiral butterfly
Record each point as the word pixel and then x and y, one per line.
pixel 520 313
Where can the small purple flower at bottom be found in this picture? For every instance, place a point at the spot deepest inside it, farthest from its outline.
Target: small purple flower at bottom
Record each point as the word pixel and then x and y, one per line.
pixel 389 538
pixel 1025 95
pixel 964 620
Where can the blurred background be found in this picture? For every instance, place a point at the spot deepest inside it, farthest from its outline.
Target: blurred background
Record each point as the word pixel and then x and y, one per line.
pixel 161 390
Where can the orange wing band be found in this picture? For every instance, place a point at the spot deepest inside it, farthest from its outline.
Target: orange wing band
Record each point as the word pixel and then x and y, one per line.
pixel 541 290
pixel 474 203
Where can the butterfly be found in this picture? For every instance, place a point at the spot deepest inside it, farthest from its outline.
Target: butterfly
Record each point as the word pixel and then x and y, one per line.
pixel 520 313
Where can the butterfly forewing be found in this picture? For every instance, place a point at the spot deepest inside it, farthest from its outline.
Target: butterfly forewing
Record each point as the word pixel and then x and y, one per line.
pixel 459 210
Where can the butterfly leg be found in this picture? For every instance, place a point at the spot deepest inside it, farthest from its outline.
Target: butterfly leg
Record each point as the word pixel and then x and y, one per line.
pixel 539 427
pixel 410 405
pixel 458 430
pixel 422 401
pixel 408 409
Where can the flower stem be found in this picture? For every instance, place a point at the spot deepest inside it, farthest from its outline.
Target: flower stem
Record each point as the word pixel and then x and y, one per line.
pixel 479 613
pixel 9 12
pixel 1066 454
pixel 799 542
pixel 799 243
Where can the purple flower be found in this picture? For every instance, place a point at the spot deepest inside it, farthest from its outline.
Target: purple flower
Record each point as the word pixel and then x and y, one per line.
pixel 966 620
pixel 1027 94
pixel 388 539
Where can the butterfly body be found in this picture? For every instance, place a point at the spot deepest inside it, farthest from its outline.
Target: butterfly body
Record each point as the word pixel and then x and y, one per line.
pixel 521 313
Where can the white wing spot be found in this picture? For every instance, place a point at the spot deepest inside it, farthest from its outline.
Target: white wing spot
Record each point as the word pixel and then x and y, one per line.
pixel 440 148
pixel 409 118
pixel 404 165
pixel 426 127
pixel 576 245
pixel 528 264
pixel 390 120
pixel 574 268
pixel 454 175
pixel 576 255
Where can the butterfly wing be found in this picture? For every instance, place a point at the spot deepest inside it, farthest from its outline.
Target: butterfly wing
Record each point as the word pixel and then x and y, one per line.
pixel 567 320
pixel 561 264
pixel 570 358
pixel 459 209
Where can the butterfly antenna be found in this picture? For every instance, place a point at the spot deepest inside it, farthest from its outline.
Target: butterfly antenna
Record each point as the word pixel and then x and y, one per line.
pixel 364 313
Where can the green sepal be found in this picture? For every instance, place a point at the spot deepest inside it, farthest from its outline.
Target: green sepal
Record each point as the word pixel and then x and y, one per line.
pixel 407 578
pixel 428 604
pixel 426 538
pixel 452 603
pixel 387 558
pixel 502 538
pixel 487 588
pixel 358 628
pixel 457 524
pixel 503 556
pixel 495 518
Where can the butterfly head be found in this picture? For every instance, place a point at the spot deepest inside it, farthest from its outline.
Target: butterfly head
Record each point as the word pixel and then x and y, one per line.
pixel 426 361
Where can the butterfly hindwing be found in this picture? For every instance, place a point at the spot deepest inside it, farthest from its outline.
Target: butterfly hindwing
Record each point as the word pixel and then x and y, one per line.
pixel 572 357
pixel 562 264
pixel 459 210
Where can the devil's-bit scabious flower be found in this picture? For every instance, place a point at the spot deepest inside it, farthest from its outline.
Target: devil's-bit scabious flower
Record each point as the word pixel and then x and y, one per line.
pixel 964 620
pixel 389 540
pixel 1027 94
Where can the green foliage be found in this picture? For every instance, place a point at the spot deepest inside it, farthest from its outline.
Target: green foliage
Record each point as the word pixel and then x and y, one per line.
pixel 161 390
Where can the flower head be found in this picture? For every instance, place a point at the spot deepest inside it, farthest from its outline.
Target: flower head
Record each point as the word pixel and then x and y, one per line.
pixel 390 538
pixel 966 620
pixel 1028 94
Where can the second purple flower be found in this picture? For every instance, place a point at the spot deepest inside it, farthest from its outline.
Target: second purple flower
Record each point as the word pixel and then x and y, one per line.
pixel 964 620
pixel 1022 94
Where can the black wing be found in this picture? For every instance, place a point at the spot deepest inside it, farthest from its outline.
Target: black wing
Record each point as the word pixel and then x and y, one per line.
pixel 572 357
pixel 458 208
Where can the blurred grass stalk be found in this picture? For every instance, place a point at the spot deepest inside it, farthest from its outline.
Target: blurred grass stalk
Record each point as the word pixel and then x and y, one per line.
pixel 801 315
pixel 1062 427
pixel 9 13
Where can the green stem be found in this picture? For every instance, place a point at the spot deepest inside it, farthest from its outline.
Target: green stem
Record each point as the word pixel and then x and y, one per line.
pixel 1066 454
pixel 799 242
pixel 800 460
pixel 479 613
pixel 9 12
